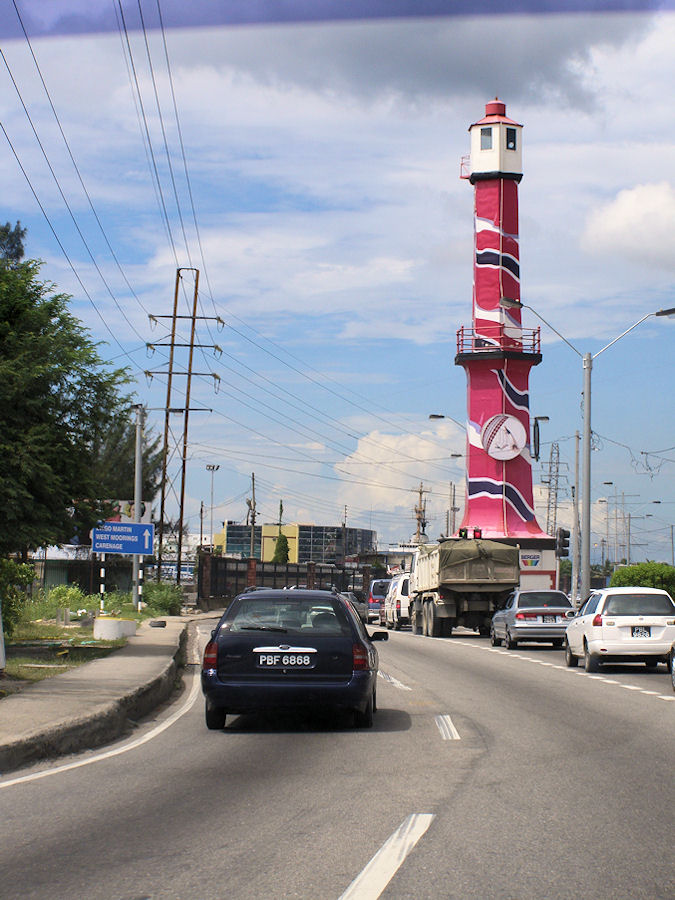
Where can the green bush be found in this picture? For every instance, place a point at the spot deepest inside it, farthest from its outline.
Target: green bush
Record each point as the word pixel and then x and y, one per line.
pixel 647 574
pixel 14 579
pixel 163 598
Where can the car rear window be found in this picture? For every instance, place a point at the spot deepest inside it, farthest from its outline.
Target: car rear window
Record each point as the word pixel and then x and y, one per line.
pixel 532 599
pixel 256 613
pixel 639 605
pixel 379 588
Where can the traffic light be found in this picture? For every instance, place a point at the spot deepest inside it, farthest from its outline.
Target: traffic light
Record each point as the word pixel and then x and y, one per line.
pixel 463 533
pixel 478 533
pixel 562 542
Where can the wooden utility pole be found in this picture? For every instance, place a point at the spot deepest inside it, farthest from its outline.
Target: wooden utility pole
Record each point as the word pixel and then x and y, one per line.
pixel 175 444
pixel 421 513
pixel 250 515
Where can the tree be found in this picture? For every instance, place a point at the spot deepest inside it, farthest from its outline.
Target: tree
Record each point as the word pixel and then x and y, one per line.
pixel 115 460
pixel 281 549
pixel 58 402
pixel 647 574
pixel 11 243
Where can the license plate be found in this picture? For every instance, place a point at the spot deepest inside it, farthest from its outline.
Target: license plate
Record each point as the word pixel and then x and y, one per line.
pixel 641 631
pixel 285 660
pixel 549 619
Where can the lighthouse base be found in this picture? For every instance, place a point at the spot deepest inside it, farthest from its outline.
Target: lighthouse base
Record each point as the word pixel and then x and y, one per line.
pixel 538 562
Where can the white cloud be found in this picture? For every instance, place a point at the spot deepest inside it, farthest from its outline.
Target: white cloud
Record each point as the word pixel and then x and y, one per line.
pixel 636 225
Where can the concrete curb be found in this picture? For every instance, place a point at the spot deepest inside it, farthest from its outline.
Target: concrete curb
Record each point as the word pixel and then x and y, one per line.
pixel 105 722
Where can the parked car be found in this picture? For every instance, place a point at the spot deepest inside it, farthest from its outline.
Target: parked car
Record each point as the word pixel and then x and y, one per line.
pixel 622 624
pixel 531 615
pixel 396 602
pixel 376 594
pixel 360 606
pixel 298 650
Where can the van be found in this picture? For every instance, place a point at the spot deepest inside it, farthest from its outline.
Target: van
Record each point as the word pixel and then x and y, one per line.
pixel 396 606
pixel 376 595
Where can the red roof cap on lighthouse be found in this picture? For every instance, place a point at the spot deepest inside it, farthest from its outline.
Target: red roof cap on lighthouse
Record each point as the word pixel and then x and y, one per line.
pixel 495 111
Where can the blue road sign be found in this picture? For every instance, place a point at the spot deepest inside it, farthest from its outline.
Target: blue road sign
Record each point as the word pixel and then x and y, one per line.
pixel 124 537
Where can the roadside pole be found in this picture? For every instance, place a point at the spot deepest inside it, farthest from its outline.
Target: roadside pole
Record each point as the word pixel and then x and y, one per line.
pixel 137 575
pixel 3 658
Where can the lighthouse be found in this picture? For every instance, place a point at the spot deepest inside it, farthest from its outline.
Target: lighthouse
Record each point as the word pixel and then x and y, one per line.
pixel 496 352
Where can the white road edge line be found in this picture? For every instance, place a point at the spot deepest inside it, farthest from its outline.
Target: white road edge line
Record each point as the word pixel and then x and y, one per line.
pixel 372 881
pixel 131 745
pixel 447 728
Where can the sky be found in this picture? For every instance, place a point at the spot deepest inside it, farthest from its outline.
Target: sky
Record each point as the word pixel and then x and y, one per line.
pixel 310 171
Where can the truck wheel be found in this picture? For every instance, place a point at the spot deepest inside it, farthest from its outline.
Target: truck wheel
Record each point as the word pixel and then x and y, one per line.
pixel 415 620
pixel 446 628
pixel 433 622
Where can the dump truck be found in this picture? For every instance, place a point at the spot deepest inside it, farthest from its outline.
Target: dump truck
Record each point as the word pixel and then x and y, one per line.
pixel 460 581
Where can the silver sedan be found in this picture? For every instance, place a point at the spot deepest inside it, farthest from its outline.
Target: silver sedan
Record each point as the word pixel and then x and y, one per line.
pixel 540 616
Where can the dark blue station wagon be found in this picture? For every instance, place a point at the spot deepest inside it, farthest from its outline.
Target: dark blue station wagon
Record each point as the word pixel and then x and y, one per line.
pixel 295 650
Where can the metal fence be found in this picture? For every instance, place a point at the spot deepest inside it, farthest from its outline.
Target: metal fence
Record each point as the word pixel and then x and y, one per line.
pixel 222 578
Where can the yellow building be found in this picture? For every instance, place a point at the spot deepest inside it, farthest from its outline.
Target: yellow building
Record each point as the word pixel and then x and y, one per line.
pixel 270 533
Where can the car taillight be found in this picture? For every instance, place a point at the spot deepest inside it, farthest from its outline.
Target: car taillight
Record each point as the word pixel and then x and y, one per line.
pixel 359 657
pixel 597 621
pixel 210 656
pixel 398 604
pixel 521 615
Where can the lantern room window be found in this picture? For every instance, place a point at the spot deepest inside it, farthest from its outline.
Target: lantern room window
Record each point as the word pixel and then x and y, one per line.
pixel 510 138
pixel 486 139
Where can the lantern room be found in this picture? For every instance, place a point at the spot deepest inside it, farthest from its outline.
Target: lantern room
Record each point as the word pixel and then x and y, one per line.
pixel 496 145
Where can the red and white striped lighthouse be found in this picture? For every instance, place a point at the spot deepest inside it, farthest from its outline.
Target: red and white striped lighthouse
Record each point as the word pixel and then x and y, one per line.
pixel 496 353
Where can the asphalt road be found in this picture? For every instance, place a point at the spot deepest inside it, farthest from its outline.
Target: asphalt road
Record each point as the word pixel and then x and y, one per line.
pixel 488 774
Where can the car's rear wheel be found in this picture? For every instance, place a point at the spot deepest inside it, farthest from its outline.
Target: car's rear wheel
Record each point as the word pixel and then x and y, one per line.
pixel 397 624
pixel 571 660
pixel 591 663
pixel 494 640
pixel 672 669
pixel 364 718
pixel 215 717
pixel 509 643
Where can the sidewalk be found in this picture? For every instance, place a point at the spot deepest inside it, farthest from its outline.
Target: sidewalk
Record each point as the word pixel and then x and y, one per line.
pixel 95 703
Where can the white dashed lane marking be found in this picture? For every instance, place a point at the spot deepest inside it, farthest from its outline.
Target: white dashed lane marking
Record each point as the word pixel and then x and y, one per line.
pixel 372 881
pixel 574 671
pixel 447 728
pixel 393 681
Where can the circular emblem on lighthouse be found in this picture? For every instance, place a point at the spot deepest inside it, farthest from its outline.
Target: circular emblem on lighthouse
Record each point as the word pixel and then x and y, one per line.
pixel 503 437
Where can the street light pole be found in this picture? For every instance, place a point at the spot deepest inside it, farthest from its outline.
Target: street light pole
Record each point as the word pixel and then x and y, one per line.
pixel 587 362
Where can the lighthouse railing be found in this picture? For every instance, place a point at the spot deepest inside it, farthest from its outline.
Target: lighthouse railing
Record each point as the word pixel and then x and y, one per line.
pixel 498 337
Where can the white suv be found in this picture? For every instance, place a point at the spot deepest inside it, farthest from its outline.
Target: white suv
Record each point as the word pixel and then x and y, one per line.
pixel 396 603
pixel 622 624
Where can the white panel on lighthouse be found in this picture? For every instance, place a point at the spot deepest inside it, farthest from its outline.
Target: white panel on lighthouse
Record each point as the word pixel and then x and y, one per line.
pixel 496 147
